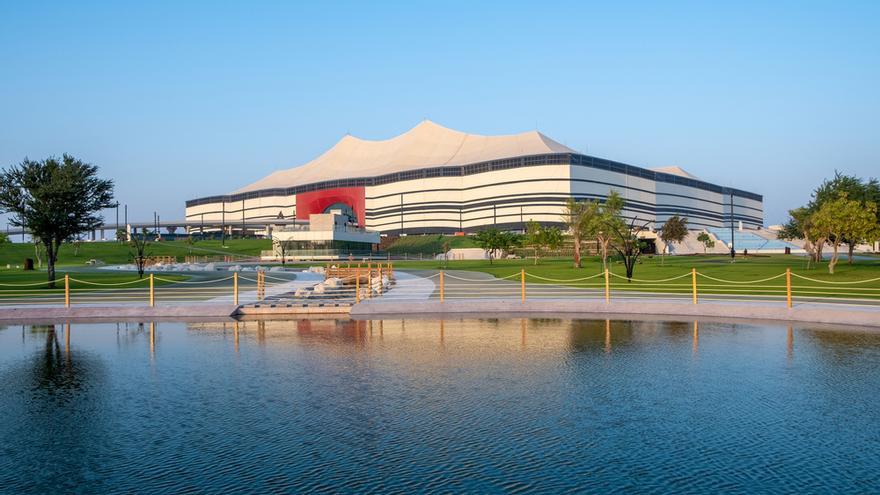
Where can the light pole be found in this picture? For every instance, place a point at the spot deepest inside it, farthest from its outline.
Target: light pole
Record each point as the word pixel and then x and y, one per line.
pixel 732 238
pixel 223 225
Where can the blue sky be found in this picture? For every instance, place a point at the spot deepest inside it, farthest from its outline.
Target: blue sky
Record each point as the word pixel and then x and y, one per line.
pixel 181 100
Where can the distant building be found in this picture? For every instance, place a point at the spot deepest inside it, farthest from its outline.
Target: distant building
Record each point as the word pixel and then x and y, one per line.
pixel 436 180
pixel 325 235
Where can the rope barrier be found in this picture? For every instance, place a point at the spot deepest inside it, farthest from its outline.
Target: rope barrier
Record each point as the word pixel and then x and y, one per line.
pixel 648 281
pixel 33 284
pixel 487 287
pixel 565 281
pixel 194 282
pixel 835 283
pixel 742 282
pixel 108 284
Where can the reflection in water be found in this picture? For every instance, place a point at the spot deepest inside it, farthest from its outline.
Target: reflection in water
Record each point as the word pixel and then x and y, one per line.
pixel 51 413
pixel 463 405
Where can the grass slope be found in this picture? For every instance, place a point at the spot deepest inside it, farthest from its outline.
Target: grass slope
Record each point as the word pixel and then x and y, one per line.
pixel 428 244
pixel 114 253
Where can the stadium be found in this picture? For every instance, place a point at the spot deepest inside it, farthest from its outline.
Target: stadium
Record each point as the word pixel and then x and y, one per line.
pixel 436 180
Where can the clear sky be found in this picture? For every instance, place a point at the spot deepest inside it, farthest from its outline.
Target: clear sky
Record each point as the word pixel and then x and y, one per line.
pixel 180 100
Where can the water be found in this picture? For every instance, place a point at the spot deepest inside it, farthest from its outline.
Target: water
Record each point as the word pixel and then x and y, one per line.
pixel 515 405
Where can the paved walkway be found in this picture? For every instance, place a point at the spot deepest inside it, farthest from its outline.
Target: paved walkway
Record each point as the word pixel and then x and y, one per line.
pixel 753 310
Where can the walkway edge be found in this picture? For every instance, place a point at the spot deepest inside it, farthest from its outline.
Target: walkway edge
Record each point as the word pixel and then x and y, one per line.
pixel 825 315
pixel 118 312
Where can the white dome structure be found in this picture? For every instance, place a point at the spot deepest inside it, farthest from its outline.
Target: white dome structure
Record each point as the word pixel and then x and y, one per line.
pixel 425 145
pixel 432 179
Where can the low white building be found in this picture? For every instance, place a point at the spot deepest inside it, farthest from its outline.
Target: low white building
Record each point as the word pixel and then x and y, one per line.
pixel 324 236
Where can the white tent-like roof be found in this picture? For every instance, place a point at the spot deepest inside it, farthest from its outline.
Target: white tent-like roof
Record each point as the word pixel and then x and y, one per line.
pixel 425 145
pixel 675 170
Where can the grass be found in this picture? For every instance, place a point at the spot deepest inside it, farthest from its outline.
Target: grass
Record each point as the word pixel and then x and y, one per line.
pixel 113 253
pixel 652 268
pixel 19 294
pixel 428 244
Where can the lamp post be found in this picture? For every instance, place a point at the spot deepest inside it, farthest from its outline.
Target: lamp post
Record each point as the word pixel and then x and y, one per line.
pixel 732 238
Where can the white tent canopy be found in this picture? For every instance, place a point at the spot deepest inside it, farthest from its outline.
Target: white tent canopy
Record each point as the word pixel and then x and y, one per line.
pixel 425 145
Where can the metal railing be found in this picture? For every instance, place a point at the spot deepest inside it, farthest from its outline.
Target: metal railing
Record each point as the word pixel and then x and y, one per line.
pixel 353 283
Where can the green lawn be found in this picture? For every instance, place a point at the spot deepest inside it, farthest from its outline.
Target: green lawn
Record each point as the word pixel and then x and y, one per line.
pixel 653 269
pixel 113 253
pixel 428 244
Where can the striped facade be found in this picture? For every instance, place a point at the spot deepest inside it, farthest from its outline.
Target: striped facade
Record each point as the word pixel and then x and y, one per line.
pixel 506 193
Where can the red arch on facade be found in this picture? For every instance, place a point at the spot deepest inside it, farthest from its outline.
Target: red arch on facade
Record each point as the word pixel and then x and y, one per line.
pixel 317 201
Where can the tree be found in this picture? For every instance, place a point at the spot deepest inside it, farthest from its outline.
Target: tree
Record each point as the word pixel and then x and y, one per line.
pixel 607 222
pixel 283 247
pixel 493 240
pixel 534 237
pixel 76 243
pixel 55 200
pixel 844 218
pixel 674 230
pixel 552 238
pixel 39 251
pixel 138 250
pixel 487 240
pixel 507 241
pixel 801 225
pixel 801 222
pixel 121 236
pixel 580 218
pixel 627 243
pixel 4 239
pixel 540 238
pixel 862 228
pixel 707 241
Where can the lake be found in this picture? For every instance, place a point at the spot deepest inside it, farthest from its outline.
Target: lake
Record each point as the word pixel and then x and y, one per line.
pixel 461 405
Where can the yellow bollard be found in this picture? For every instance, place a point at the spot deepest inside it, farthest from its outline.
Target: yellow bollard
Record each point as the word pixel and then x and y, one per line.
pixel 152 292
pixel 607 287
pixel 522 284
pixel 357 285
pixel 235 288
pixel 694 283
pixel 66 290
pixel 788 286
pixel 441 286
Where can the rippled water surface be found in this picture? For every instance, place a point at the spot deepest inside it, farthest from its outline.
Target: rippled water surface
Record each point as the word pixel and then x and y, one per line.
pixel 513 405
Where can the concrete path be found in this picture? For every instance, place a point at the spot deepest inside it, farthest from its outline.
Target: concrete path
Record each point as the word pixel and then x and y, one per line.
pixel 830 314
pixel 118 312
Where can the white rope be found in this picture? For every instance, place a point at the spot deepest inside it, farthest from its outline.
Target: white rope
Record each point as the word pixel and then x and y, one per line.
pixel 33 284
pixel 649 281
pixel 835 283
pixel 107 284
pixel 564 281
pixel 741 282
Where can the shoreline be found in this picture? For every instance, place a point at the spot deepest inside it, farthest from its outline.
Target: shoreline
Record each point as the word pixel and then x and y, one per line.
pixel 806 313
